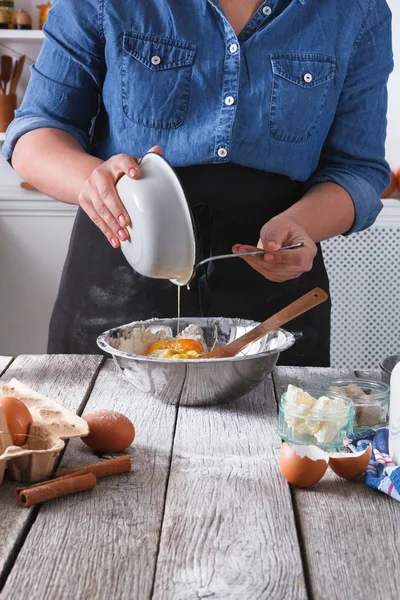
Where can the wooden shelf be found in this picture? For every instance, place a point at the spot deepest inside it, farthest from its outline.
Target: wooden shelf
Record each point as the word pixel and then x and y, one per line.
pixel 21 35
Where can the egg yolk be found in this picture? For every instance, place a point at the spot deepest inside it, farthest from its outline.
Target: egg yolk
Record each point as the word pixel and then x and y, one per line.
pixel 182 348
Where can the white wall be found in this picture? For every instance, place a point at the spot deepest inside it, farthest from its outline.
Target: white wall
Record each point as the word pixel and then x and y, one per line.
pixel 393 136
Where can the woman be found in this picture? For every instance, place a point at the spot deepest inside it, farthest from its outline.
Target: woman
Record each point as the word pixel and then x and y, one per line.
pixel 273 114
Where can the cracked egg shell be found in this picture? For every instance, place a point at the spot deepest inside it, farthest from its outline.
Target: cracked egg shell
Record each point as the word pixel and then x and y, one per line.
pixel 350 466
pixel 302 466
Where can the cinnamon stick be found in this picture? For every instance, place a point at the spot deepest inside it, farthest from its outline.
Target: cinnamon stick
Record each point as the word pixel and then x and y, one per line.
pixel 122 464
pixel 55 488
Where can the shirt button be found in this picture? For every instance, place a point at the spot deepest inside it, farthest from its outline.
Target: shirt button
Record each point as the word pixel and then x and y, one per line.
pixel 233 48
pixel 222 152
pixel 229 100
pixel 155 60
pixel 267 10
pixel 307 78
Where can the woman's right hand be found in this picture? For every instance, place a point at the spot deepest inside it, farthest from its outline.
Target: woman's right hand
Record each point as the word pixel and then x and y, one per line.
pixel 100 201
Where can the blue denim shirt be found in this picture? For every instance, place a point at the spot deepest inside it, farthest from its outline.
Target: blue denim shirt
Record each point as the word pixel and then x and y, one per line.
pixel 301 91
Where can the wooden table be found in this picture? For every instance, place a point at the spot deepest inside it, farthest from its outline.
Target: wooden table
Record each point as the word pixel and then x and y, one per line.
pixel 204 513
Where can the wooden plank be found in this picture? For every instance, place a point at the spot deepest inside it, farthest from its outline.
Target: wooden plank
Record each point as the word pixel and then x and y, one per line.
pixel 350 533
pixel 4 362
pixel 103 543
pixel 52 376
pixel 228 528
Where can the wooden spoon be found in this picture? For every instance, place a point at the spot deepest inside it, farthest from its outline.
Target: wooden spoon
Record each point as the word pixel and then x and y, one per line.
pixel 293 310
pixel 6 70
pixel 19 65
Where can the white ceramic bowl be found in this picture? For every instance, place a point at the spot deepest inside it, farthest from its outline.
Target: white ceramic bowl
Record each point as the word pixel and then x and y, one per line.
pixel 162 240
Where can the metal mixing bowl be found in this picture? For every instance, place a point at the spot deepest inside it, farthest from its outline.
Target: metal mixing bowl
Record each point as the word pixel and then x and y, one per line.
pixel 197 381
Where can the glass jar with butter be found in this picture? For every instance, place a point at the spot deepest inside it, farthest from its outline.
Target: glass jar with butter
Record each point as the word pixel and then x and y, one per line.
pixel 314 417
pixel 371 400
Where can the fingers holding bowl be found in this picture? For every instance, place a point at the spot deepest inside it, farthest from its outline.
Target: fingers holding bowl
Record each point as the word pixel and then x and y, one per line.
pixel 100 200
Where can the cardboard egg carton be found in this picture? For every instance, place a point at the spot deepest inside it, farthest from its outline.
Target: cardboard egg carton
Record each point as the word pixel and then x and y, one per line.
pixel 52 423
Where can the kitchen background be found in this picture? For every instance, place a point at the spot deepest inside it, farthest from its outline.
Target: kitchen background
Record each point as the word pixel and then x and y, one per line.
pixel 34 234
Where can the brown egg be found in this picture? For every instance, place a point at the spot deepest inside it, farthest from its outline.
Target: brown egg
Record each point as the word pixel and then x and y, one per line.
pixel 350 466
pixel 18 418
pixel 302 466
pixel 109 431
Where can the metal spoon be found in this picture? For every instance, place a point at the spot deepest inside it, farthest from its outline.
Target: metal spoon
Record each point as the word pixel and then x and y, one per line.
pixel 241 254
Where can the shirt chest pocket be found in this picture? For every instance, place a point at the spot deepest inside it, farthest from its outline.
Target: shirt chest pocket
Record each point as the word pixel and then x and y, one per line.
pixel 156 78
pixel 300 83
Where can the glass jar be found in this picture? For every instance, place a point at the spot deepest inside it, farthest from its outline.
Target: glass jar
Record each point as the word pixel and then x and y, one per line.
pixel 7 6
pixel 318 419
pixel 43 13
pixel 22 20
pixel 371 400
pixel 3 18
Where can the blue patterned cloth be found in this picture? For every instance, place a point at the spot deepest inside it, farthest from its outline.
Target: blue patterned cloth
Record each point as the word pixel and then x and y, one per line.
pixel 382 473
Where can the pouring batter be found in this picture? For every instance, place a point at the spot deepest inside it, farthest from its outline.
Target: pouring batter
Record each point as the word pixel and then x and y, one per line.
pixel 272 113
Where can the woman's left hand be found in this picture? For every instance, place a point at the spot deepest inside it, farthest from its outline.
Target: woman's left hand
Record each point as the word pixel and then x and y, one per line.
pixel 287 264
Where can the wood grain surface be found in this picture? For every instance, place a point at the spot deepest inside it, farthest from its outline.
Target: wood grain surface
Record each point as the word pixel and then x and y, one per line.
pixel 350 533
pixel 228 527
pixel 52 376
pixel 103 543
pixel 205 512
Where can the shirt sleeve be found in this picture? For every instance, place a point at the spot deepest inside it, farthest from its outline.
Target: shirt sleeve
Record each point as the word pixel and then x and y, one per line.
pixel 353 154
pixel 66 80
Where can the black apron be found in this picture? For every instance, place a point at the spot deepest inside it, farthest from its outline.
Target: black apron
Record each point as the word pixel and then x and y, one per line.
pixel 230 204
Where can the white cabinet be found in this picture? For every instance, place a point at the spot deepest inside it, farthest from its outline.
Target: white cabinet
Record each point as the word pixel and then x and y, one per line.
pixel 34 235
